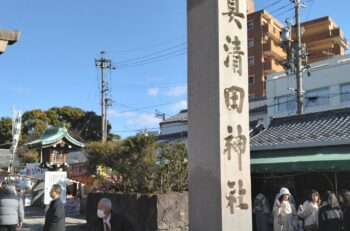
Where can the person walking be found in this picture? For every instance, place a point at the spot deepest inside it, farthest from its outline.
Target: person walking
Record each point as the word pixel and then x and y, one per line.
pixel 330 216
pixel 309 211
pixel 109 220
pixel 55 215
pixel 285 215
pixel 11 208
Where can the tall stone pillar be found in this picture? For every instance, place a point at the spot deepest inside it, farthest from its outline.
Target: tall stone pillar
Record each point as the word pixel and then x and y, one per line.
pixel 219 161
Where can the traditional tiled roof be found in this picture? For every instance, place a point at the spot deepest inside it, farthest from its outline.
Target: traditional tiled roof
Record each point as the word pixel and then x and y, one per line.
pixel 313 129
pixel 52 136
pixel 180 117
pixel 7 37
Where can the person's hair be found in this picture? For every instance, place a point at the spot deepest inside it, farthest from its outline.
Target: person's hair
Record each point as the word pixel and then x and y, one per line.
pixel 9 187
pixel 314 192
pixel 331 199
pixel 57 188
pixel 346 197
pixel 106 202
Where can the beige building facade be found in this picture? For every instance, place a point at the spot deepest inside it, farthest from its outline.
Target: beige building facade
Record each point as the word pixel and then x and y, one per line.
pixel 322 38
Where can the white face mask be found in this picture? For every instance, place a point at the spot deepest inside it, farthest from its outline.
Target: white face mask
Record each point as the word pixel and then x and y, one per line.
pixel 100 213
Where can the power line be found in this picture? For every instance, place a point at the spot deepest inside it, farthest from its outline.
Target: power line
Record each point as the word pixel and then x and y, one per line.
pixel 272 4
pixel 148 47
pixel 154 58
pixel 157 60
pixel 281 8
pixel 151 106
pixel 309 11
pixel 151 54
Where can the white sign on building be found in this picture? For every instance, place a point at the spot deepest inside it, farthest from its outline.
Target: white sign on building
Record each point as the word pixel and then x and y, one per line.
pixel 52 178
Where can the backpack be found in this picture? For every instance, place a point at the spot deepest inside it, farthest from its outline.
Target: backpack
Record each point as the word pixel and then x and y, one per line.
pixel 258 205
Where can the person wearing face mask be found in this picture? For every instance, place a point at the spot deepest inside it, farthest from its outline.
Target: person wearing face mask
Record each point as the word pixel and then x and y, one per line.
pixel 109 220
pixel 55 215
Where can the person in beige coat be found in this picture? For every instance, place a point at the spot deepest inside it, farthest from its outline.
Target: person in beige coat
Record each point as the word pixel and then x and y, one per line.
pixel 309 211
pixel 285 215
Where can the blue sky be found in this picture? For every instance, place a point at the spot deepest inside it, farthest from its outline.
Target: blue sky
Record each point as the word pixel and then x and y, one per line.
pixel 52 64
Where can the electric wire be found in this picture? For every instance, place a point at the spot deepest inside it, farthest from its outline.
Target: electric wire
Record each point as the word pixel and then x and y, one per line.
pixel 149 55
pixel 148 47
pixel 157 60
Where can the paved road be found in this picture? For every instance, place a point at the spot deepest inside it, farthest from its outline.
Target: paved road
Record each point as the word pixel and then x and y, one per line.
pixel 35 217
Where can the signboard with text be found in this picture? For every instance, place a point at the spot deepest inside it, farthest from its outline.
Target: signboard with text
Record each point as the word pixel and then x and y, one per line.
pixel 52 178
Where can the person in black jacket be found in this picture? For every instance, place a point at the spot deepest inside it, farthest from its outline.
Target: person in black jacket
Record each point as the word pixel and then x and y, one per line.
pixel 55 215
pixel 109 220
pixel 330 216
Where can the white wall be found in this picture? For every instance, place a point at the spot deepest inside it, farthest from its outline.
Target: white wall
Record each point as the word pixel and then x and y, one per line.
pixel 174 127
pixel 328 73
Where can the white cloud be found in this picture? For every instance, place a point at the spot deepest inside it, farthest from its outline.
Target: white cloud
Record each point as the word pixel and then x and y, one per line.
pixel 21 90
pixel 177 91
pixel 153 91
pixel 113 113
pixel 179 106
pixel 144 120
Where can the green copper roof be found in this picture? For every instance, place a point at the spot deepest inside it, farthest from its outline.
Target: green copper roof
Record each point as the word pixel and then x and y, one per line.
pixel 53 135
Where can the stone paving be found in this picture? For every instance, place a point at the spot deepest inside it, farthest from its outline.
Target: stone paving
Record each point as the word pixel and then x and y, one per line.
pixel 35 217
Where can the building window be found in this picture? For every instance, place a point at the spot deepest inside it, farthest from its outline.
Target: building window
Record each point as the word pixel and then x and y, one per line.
pixel 250 43
pixel 251 79
pixel 251 61
pixel 250 25
pixel 318 97
pixel 286 103
pixel 345 92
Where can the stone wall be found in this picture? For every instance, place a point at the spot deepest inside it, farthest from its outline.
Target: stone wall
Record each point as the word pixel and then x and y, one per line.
pixel 162 212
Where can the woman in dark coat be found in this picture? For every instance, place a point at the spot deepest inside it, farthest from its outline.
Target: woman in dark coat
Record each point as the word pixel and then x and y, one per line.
pixel 330 216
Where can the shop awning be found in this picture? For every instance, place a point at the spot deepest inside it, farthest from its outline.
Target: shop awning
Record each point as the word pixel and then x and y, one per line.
pixel 301 160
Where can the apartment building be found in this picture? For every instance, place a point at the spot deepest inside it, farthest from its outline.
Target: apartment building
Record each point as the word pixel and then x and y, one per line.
pixel 264 51
pixel 322 38
pixel 250 6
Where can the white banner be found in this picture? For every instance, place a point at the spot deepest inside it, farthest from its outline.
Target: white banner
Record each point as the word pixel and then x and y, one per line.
pixel 52 178
pixel 16 128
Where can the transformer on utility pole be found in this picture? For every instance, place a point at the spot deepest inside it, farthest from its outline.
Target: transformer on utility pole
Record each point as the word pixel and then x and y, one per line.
pixel 104 63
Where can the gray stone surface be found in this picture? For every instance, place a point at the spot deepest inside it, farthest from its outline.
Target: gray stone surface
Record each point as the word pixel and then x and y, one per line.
pixel 218 147
pixel 163 212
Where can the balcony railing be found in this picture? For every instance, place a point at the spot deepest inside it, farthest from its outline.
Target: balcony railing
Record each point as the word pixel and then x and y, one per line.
pixel 271 32
pixel 271 66
pixel 271 49
pixel 336 35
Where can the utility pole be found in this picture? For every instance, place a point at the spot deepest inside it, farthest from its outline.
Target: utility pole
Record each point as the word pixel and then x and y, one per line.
pixel 299 74
pixel 295 54
pixel 104 63
pixel 159 115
